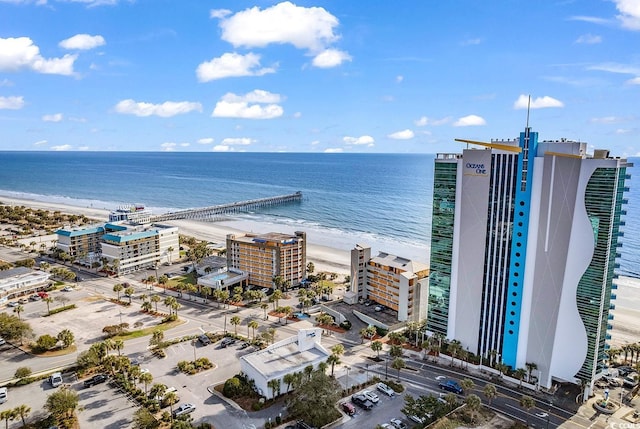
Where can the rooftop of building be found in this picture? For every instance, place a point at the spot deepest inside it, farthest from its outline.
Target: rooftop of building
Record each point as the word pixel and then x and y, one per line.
pixel 285 357
pixel 13 272
pixel 76 231
pixel 399 262
pixel 269 237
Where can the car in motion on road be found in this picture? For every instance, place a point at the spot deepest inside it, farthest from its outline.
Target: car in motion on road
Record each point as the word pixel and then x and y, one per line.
pixel 96 379
pixel 184 409
pixel 450 386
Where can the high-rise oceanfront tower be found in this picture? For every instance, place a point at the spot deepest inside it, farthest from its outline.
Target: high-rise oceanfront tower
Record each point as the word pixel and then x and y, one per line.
pixel 525 236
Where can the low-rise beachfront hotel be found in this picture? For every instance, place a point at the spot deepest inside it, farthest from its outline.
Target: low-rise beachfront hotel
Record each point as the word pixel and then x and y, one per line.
pixel 131 246
pixel 21 281
pixel 525 236
pixel 265 256
pixel 397 283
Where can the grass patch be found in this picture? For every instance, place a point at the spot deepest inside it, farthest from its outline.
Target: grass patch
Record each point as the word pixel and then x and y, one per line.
pixel 148 331
pixel 58 352
pixel 60 309
pixel 189 278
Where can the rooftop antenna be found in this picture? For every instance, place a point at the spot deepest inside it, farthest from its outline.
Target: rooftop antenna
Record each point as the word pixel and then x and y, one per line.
pixel 528 109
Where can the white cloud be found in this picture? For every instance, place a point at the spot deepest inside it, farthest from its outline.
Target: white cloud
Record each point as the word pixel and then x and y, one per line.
pixel 629 13
pixel 6 82
pixel 219 13
pixel 40 143
pixel 255 96
pixel 402 135
pixel 330 58
pixel 83 148
pixel 591 19
pixel 168 147
pixel 242 141
pixel 185 144
pixel 634 81
pixel 424 120
pixel 623 131
pixel 20 53
pixel 616 68
pixel 470 121
pixel 165 110
pixel 12 102
pixel 82 42
pixel 470 42
pixel 305 28
pixel 61 148
pixel 238 106
pixel 607 120
pixel 56 117
pixel 231 64
pixel 358 140
pixel 315 142
pixel 297 115
pixel 589 39
pixel 536 103
pixel 334 150
pixel 206 140
pixel 221 148
pixel 399 78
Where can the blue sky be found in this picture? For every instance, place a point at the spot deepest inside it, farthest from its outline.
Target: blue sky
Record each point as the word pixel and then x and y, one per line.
pixel 321 76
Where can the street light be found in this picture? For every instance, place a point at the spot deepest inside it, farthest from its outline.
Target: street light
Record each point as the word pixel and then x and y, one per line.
pixel 367 373
pixel 193 343
pixel 549 413
pixel 386 368
pixel 347 368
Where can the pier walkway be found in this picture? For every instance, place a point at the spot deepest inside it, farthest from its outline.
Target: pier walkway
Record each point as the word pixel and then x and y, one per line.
pixel 222 210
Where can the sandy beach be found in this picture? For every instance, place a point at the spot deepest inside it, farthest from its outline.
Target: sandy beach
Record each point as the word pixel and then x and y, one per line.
pixel 626 321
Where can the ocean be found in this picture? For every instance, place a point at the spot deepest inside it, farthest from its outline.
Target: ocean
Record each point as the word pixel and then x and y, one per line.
pixel 380 200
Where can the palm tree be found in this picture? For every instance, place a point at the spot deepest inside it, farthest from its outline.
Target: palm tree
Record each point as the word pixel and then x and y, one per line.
pixel 519 374
pixel 156 338
pixel 117 289
pixel 453 348
pixel 288 380
pixel 337 350
pixel 171 398
pixel 66 337
pixel 322 367
pixel 22 411
pixel 156 299
pixel 170 249
pixel 527 402
pixel 163 280
pixel 398 363
pixel 473 404
pixel 264 307
pixel 118 345
pixel 48 300
pixel 19 309
pixel 175 306
pixel 129 293
pixel 333 360
pixel 467 384
pixel 276 296
pixel 287 313
pixel 490 391
pixel 277 282
pixel 157 390
pixel 146 378
pixel 7 415
pixel 274 385
pixel 530 368
pixel 168 302
pixel 376 346
pixel 253 325
pixel 235 321
pixel 146 306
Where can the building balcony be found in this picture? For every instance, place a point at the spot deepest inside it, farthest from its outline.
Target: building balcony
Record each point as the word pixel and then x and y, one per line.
pixel 610 317
pixel 622 223
pixel 609 327
pixel 614 286
pixel 623 212
pixel 614 297
pixel 608 336
pixel 612 306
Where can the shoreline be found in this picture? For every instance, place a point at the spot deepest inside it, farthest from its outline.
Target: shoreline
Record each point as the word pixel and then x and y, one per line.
pixel 626 320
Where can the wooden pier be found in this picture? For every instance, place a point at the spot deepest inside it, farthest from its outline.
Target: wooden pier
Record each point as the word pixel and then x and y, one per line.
pixel 223 210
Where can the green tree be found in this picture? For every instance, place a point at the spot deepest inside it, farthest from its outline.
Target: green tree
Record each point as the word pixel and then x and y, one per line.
pixel 171 398
pixel 145 378
pixel 395 351
pixel 490 391
pixel 156 299
pixel 277 282
pixel 66 337
pixel 62 405
pixel 7 415
pixel 19 309
pixel 235 321
pixel 46 342
pixel 333 360
pixel 129 293
pixel 22 411
pixel 467 384
pixel 163 280
pixel 146 306
pixel 519 374
pixel 253 325
pixel 143 419
pixel 274 385
pixel 310 267
pixel 473 404
pixel 169 302
pixel 397 364
pixel 527 402
pixel 376 346
pixel 157 337
pixel 48 300
pixel 314 401
pixel 264 306
pixel 22 372
pixel 531 366
pixel 117 289
pixel 454 348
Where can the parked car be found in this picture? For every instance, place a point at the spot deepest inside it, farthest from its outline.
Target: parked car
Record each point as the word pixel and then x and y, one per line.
pixel 204 340
pixel 227 341
pixel 244 345
pixel 385 389
pixel 417 419
pixel 450 386
pixel 55 379
pixel 631 380
pixel 35 297
pixel 398 424
pixel 184 409
pixel 96 379
pixel 67 289
pixel 348 408
pixel 23 300
pixel 2 341
pixel 13 304
pixel 43 295
pixel 362 402
pixel 386 426
pixel 624 370
pixel 4 394
pixel 370 395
